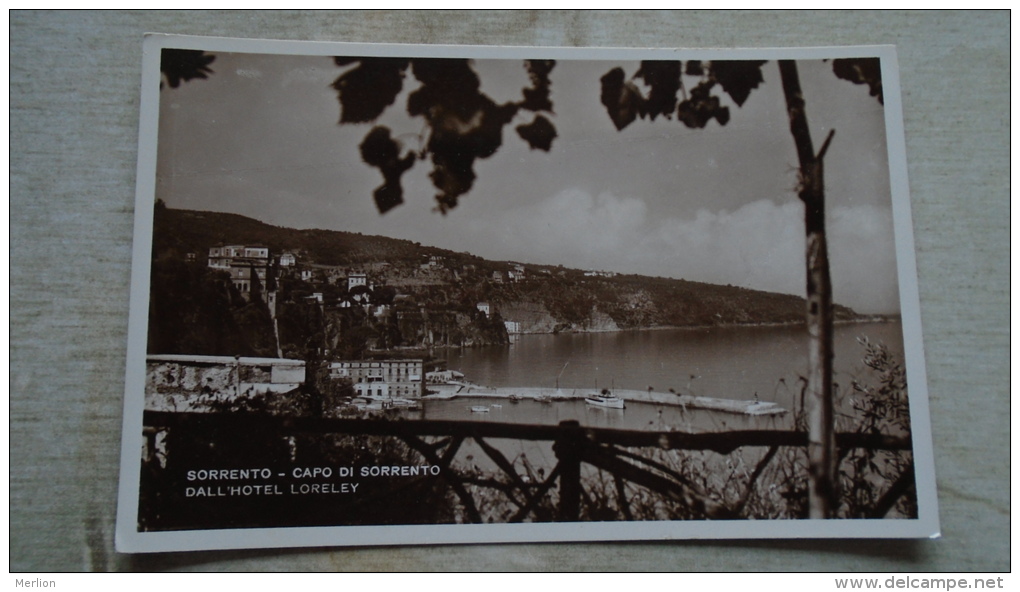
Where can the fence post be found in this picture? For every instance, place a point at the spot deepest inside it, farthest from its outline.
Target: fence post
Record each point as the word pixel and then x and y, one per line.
pixel 568 453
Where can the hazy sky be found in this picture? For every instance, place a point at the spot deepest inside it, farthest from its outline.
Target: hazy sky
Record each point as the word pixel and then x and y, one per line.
pixel 260 138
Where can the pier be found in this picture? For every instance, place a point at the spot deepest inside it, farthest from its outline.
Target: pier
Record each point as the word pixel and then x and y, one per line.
pixel 465 389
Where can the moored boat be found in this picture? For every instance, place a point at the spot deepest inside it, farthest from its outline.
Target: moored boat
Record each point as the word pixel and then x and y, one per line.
pixel 405 404
pixel 605 399
pixel 379 403
pixel 479 409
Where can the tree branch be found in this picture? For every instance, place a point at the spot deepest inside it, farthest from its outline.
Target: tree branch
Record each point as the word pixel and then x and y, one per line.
pixel 825 145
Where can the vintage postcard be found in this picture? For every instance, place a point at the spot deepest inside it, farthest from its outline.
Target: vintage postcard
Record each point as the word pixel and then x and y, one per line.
pixel 401 295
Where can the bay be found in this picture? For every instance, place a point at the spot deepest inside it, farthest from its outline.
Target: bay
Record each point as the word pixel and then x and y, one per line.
pixel 725 362
pixel 736 362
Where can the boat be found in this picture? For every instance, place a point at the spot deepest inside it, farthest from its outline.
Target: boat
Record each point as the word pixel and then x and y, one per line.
pixel 405 404
pixel 515 398
pixel 604 399
pixel 479 409
pixel 496 406
pixel 543 398
pixel 379 403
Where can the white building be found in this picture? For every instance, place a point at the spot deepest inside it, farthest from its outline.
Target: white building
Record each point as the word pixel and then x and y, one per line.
pixel 248 265
pixel 356 279
pixel 382 378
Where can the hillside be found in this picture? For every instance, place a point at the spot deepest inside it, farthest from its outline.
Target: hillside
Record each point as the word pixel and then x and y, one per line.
pixel 187 231
pixel 418 296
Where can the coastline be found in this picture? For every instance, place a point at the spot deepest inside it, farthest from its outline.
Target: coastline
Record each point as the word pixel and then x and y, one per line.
pixel 512 336
pixel 869 319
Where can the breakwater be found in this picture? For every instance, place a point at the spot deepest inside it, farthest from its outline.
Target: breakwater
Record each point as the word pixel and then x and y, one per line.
pixel 552 395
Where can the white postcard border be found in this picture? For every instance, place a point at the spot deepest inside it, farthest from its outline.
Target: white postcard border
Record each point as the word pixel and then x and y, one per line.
pixel 128 539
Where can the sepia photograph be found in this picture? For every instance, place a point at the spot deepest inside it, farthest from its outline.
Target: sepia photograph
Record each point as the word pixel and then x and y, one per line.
pixel 390 294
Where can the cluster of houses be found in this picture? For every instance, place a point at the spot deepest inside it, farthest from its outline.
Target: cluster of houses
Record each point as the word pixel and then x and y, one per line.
pixel 513 275
pixel 250 267
pixel 254 269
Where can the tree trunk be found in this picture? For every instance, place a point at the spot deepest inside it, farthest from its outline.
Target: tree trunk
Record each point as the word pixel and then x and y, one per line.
pixel 822 443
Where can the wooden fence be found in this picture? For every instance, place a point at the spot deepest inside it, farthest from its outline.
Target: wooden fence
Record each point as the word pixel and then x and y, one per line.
pixel 610 450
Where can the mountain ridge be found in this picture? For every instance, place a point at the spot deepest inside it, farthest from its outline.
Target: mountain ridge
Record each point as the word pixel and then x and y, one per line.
pixel 424 295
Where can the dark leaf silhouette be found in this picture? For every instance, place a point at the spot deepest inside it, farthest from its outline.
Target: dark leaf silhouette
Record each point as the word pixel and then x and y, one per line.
pixel 538 134
pixel 702 107
pixel 738 78
pixel 663 80
pixel 447 84
pixel 183 65
pixel 536 98
pixel 624 102
pixel 861 71
pixel 382 152
pixel 621 98
pixel 462 124
pixel 465 124
pixel 385 78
